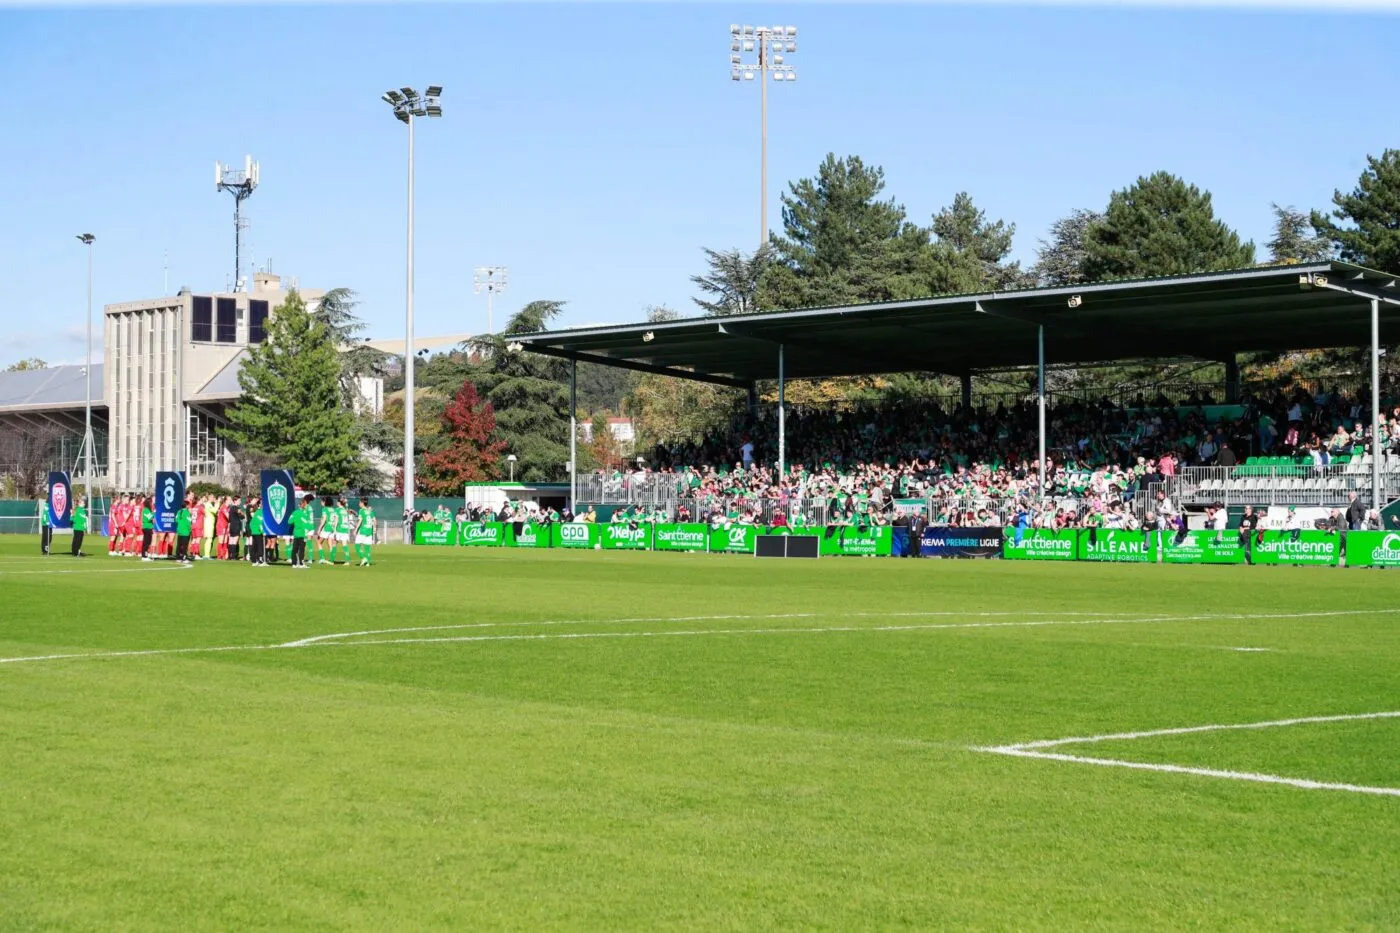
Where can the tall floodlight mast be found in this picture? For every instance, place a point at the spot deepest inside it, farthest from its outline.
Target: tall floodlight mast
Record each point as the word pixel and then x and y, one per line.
pixel 771 43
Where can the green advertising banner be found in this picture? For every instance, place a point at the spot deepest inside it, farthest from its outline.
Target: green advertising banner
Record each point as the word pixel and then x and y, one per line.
pixel 682 537
pixel 529 535
pixel 1040 544
pixel 1202 547
pixel 575 534
pixel 481 534
pixel 848 541
pixel 1118 545
pixel 435 533
pixel 1373 549
pixel 737 539
pixel 622 537
pixel 1297 548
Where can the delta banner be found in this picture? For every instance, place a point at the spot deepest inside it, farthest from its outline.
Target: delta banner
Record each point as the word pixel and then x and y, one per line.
pixel 850 541
pixel 434 534
pixel 60 501
pixel 1373 549
pixel 1040 544
pixel 170 498
pixel 1298 548
pixel 278 501
pixel 1118 545
pixel 961 542
pixel 686 536
pixel 1203 547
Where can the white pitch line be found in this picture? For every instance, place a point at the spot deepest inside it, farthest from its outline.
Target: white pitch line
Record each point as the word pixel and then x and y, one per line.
pixel 18 573
pixel 1197 772
pixel 325 641
pixel 1189 730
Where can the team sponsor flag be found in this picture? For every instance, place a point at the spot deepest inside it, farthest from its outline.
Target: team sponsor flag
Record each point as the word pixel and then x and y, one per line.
pixel 60 500
pixel 278 501
pixel 170 497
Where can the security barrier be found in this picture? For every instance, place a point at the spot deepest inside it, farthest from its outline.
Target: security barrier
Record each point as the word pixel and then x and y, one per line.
pixel 737 539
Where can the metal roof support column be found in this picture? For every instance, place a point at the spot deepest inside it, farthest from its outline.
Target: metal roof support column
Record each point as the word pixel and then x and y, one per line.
pixel 1376 494
pixel 1232 379
pixel 573 436
pixel 1040 393
pixel 966 391
pixel 753 402
pixel 782 416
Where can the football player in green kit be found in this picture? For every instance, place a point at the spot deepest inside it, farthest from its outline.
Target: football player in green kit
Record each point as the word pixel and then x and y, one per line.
pixel 364 533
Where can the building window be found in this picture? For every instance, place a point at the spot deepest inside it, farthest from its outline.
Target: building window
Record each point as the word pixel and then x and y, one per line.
pixel 202 320
pixel 257 321
pixel 228 320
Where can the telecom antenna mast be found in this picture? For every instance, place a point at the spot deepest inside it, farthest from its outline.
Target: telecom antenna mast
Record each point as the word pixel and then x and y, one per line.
pixel 240 184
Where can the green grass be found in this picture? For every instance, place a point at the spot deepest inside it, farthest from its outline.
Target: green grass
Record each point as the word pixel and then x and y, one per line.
pixel 770 776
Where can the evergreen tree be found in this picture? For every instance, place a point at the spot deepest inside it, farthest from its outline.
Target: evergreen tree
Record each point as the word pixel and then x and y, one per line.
pixel 1060 260
pixel 1373 209
pixel 1293 240
pixel 734 279
pixel 469 455
pixel 26 365
pixel 336 312
pixel 529 394
pixel 1161 226
pixel 291 408
pixel 969 253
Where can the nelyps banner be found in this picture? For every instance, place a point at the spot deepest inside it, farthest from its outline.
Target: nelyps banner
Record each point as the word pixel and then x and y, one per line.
pixel 278 501
pixel 170 498
pixel 961 542
pixel 623 537
pixel 60 500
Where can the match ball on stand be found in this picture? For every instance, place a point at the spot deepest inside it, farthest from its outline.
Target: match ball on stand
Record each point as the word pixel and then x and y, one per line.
pixel 598 546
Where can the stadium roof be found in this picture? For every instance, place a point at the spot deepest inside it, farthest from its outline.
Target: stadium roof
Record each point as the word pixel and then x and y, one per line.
pixel 1209 316
pixel 54 387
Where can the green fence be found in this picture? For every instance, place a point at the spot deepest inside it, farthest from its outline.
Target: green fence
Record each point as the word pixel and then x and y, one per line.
pixel 739 539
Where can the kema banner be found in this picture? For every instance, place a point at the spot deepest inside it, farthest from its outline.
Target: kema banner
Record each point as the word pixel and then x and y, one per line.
pixel 60 500
pixel 279 501
pixel 170 496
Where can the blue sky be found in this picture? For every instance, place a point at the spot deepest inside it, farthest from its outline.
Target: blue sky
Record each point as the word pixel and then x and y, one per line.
pixel 595 149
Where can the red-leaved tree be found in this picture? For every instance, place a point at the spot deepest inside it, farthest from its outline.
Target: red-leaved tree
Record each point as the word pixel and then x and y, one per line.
pixel 470 455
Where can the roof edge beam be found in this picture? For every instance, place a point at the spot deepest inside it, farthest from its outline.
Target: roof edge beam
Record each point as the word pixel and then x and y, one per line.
pixel 634 366
pixel 1360 291
pixel 904 364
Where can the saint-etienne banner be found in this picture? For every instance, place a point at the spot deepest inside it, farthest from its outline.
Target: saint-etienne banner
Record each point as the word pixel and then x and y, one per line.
pixel 170 498
pixel 60 500
pixel 278 501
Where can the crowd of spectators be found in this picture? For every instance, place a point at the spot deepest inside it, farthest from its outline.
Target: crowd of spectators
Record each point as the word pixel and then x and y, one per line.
pixel 979 465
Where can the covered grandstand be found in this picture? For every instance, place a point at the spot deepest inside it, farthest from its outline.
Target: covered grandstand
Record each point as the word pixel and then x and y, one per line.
pixel 1207 317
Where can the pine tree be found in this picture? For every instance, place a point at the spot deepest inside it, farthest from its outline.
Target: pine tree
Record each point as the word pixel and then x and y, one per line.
pixel 1373 208
pixel 1060 260
pixel 291 409
pixel 1292 241
pixel 1161 226
pixel 970 253
pixel 734 279
pixel 469 454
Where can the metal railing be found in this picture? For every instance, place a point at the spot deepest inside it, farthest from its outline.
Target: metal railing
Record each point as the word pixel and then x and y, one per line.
pixel 1301 485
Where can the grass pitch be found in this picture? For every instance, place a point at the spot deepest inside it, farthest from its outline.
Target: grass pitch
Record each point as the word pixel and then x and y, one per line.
pixel 642 741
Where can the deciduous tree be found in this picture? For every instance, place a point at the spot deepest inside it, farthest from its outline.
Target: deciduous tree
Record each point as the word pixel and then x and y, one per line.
pixel 469 454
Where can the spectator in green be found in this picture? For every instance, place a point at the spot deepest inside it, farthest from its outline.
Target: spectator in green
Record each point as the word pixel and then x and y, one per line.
pixel 148 528
pixel 257 544
pixel 302 524
pixel 45 529
pixel 80 523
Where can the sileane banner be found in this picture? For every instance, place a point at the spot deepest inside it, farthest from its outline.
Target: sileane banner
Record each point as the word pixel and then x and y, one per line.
pixel 1373 549
pixel 1119 545
pixel 849 541
pixel 1202 547
pixel 1306 548
pixel 1039 544
pixel 682 537
pixel 434 533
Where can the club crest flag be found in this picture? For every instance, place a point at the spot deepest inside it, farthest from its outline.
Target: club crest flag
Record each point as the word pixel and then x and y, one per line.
pixel 170 498
pixel 278 501
pixel 60 500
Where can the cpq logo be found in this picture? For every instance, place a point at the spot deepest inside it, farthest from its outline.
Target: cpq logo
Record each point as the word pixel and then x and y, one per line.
pixel 1389 550
pixel 167 496
pixel 573 532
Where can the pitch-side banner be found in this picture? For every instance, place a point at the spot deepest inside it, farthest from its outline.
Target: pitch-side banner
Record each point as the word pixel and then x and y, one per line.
pixel 278 501
pixel 962 542
pixel 170 496
pixel 60 500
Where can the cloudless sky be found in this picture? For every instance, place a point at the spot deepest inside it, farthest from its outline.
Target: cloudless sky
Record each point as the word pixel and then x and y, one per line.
pixel 594 149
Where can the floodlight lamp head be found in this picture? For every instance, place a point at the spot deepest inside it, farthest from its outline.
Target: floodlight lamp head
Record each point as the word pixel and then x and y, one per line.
pixel 734 75
pixel 514 347
pixel 402 115
pixel 791 30
pixel 1075 301
pixel 409 92
pixel 393 96
pixel 733 29
pixel 87 238
pixel 648 337
pixel 434 90
pixel 748 45
pixel 734 46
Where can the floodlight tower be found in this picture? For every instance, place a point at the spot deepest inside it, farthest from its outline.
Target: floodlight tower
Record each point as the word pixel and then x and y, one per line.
pixel 492 281
pixel 771 43
pixel 240 184
pixel 87 240
pixel 406 104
